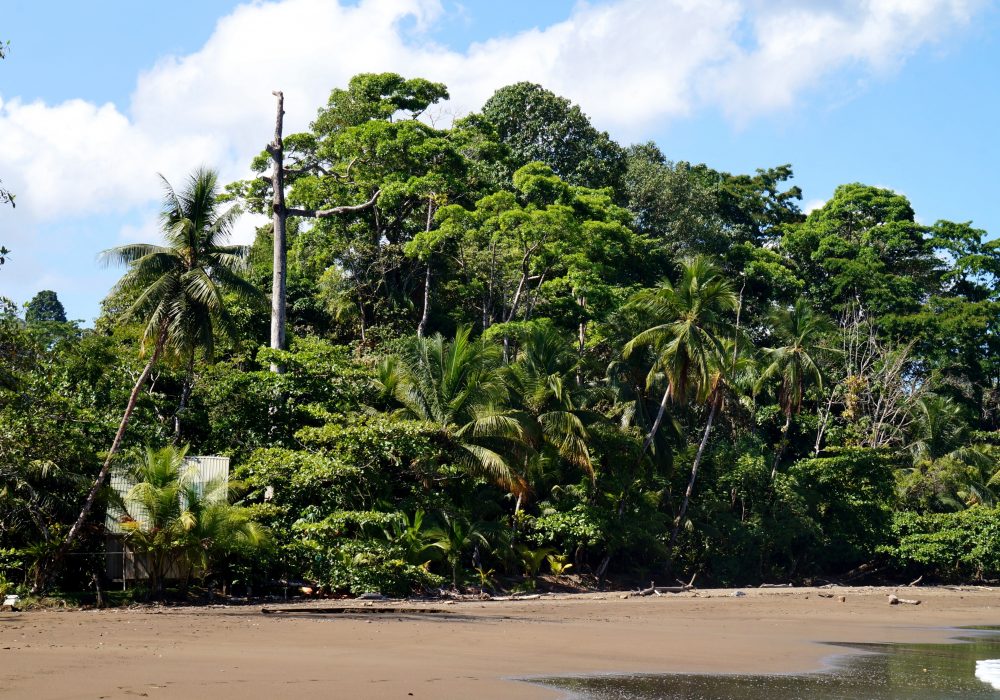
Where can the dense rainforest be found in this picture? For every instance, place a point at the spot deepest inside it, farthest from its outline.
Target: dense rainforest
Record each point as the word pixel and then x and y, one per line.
pixel 512 347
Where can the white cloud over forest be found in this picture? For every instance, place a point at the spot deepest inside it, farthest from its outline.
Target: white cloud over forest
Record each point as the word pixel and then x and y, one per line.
pixel 629 63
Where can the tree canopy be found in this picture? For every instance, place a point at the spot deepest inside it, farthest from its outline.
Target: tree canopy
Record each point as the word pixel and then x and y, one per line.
pixel 518 354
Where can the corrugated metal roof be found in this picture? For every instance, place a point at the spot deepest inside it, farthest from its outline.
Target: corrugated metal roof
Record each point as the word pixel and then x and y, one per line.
pixel 207 468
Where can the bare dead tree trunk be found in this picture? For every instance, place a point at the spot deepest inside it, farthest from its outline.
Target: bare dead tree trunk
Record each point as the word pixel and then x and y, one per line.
pixel 44 576
pixel 280 213
pixel 279 277
pixel 422 326
pixel 824 420
pixel 781 444
pixel 694 475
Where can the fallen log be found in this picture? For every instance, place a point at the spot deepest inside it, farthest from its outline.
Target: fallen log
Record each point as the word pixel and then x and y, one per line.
pixel 660 590
pixel 893 600
pixel 775 585
pixel 354 610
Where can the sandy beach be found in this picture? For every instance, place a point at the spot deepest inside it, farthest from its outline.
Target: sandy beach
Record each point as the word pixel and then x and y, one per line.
pixel 463 650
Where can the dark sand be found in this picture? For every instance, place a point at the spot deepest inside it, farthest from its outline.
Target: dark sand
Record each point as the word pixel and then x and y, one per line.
pixel 470 650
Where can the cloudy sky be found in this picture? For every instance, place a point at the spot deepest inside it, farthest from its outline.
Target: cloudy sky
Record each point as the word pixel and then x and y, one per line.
pixel 97 98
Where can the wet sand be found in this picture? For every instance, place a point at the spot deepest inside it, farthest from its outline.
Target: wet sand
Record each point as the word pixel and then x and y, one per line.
pixel 466 650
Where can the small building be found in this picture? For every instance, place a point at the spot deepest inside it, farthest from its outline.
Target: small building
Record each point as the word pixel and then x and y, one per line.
pixel 124 565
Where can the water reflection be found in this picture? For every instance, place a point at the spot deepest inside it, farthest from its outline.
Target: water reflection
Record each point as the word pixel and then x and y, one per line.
pixel 894 672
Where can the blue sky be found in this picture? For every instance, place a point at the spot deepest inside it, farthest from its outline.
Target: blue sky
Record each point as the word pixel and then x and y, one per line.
pixel 99 97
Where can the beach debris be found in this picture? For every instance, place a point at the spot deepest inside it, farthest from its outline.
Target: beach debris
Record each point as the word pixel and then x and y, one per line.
pixel 738 594
pixel 354 610
pixel 916 581
pixel 894 600
pixel 10 602
pixel 842 599
pixel 775 585
pixel 372 596
pixel 660 590
pixel 822 594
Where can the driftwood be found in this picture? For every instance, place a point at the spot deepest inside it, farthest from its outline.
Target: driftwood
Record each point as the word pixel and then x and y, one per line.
pixel 893 600
pixel 660 590
pixel 825 595
pixel 775 585
pixel 916 581
pixel 354 610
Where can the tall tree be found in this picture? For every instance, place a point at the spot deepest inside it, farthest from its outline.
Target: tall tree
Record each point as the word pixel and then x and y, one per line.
pixel 537 125
pixel 690 320
pixel 543 386
pixel 864 245
pixel 177 291
pixel 44 306
pixel 730 371
pixel 796 362
pixel 279 218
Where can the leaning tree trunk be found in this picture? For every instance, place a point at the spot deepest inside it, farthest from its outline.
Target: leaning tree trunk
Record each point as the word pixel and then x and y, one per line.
pixel 88 504
pixel 279 218
pixel 694 475
pixel 781 444
pixel 656 423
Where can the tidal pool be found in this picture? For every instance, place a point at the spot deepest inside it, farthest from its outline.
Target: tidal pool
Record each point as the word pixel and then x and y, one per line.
pixel 968 668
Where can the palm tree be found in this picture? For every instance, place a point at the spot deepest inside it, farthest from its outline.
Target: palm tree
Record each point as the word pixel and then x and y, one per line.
pixel 730 375
pixel 456 387
pixel 802 330
pixel 940 443
pixel 176 291
pixel 177 523
pixel 542 384
pixel 691 316
pixel 455 537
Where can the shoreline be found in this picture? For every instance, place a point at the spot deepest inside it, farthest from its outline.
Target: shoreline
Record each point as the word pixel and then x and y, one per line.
pixel 466 648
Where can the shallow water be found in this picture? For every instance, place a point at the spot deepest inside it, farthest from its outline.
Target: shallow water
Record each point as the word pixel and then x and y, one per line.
pixel 890 672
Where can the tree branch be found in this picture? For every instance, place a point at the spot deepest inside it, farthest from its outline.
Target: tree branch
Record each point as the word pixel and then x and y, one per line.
pixel 325 213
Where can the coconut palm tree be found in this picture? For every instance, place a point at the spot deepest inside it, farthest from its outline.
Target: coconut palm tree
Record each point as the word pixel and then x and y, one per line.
pixel 796 362
pixel 730 375
pixel 543 386
pixel 691 317
pixel 456 387
pixel 943 451
pixel 177 291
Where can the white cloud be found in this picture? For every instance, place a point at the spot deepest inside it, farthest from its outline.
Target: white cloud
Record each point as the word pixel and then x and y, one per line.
pixel 812 205
pixel 629 63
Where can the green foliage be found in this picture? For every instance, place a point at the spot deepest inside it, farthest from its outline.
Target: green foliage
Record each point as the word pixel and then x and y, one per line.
pixel 362 566
pixel 946 547
pixel 623 366
pixel 537 125
pixel 45 307
pixel 851 495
